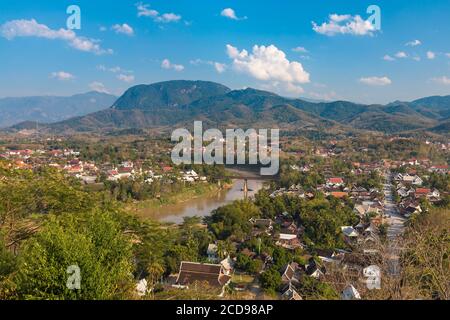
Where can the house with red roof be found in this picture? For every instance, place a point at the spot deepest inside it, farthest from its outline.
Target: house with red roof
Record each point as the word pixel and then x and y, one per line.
pixel 335 182
pixel 422 192
pixel 443 169
pixel 339 195
pixel 432 195
pixel 74 169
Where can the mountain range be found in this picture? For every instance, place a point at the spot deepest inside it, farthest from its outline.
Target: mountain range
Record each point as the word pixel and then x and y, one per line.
pixel 47 109
pixel 179 103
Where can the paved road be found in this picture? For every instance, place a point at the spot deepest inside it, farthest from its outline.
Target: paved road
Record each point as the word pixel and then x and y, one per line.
pixel 396 225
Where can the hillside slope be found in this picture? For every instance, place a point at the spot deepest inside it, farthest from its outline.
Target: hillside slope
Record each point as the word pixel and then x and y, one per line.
pixel 47 109
pixel 180 103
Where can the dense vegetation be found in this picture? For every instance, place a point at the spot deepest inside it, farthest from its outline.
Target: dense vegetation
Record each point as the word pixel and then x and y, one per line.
pixel 425 260
pixel 49 223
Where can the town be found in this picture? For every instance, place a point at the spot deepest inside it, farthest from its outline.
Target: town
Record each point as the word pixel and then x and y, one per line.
pixel 225 158
pixel 328 227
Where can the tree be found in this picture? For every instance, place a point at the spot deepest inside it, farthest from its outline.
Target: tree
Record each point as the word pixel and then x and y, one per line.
pixel 439 181
pixel 313 289
pixel 225 248
pixel 93 242
pixel 155 270
pixel 233 219
pixel 270 280
pixel 425 261
pixel 23 193
pixel 322 220
pixel 7 262
pixel 247 264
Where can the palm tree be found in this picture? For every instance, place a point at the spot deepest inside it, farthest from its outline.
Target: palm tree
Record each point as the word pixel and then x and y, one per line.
pixel 155 270
pixel 221 249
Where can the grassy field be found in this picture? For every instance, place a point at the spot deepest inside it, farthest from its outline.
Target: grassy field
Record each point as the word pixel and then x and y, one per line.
pixel 189 193
pixel 242 278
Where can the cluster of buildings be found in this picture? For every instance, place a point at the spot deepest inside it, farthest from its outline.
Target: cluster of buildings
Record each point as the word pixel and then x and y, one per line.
pixel 410 191
pixel 284 230
pixel 294 190
pixel 360 264
pixel 440 145
pixel 287 234
pixel 29 159
pixel 191 176
pixel 422 164
pixel 360 270
pixel 89 172
pixel 126 170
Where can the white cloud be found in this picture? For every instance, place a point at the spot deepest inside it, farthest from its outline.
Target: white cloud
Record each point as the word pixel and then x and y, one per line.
pixel 166 64
pixel 401 55
pixel 388 58
pixel 62 75
pixel 269 64
pixel 124 29
pixel 345 24
pixel 376 81
pixel 283 88
pixel 444 80
pixel 169 17
pixel 431 55
pixel 115 69
pixel 98 86
pixel 220 67
pixel 327 96
pixel 145 11
pixel 413 43
pixel 293 88
pixel 300 49
pixel 231 14
pixel 197 62
pixel 339 17
pixel 126 78
pixel 31 28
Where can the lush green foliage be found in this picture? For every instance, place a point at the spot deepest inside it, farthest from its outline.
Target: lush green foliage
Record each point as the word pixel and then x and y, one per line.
pixel 233 219
pixel 270 280
pixel 23 193
pixel 94 242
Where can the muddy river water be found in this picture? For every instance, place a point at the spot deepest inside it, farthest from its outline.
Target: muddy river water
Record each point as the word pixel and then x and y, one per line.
pixel 202 206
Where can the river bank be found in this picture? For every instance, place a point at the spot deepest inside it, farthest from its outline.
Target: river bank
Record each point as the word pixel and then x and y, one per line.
pixel 194 203
pixel 189 193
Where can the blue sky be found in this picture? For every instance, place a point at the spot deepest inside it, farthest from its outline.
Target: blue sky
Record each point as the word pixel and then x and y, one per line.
pixel 123 43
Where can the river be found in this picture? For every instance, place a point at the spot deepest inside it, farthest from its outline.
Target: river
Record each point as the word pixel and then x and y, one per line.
pixel 202 206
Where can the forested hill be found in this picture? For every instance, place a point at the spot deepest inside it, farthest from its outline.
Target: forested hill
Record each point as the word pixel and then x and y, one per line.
pixel 174 103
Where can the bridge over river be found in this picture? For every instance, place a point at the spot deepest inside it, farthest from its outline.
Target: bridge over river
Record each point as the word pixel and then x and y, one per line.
pixel 245 183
